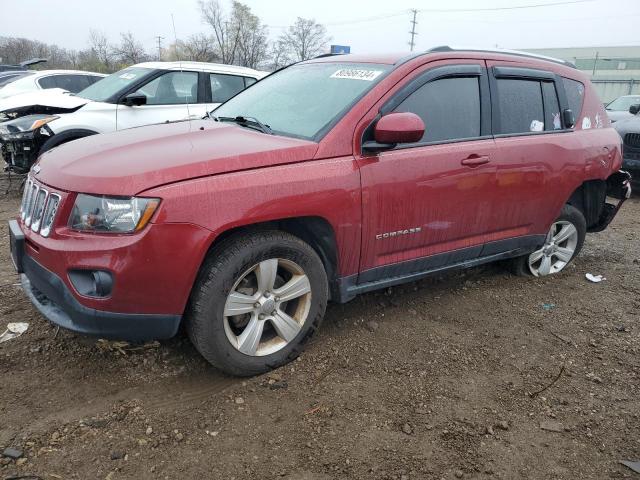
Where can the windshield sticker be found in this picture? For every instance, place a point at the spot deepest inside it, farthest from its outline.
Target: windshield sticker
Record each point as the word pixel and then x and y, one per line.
pixel 128 76
pixel 536 126
pixel 357 74
pixel 586 123
pixel 556 121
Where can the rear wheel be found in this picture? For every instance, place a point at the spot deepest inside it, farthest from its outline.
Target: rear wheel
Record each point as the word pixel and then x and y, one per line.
pixel 562 244
pixel 257 302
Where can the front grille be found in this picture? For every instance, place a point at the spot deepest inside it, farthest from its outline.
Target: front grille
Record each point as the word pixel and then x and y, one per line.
pixel 39 207
pixel 632 140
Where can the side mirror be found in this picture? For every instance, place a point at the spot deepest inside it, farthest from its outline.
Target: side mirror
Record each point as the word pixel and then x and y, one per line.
pixel 569 118
pixel 135 99
pixel 394 128
pixel 634 109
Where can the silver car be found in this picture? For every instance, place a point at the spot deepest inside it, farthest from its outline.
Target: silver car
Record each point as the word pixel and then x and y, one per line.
pixel 619 108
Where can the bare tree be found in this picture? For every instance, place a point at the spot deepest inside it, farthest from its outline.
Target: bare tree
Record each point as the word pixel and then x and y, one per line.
pixel 280 54
pixel 305 39
pixel 100 49
pixel 224 31
pixel 239 37
pixel 252 36
pixel 198 48
pixel 130 50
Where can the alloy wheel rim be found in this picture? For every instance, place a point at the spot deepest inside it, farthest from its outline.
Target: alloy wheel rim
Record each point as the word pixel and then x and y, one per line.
pixel 557 251
pixel 267 307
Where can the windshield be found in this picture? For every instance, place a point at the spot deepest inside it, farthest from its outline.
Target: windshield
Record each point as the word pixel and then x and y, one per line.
pixel 104 89
pixel 622 104
pixel 302 100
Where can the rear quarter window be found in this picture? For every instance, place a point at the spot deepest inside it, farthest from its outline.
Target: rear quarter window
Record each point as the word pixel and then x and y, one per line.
pixel 574 91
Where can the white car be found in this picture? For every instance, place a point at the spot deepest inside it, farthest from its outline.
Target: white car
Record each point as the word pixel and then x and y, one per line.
pixel 29 81
pixel 147 93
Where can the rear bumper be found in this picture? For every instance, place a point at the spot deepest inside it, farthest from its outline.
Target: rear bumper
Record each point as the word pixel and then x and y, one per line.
pixel 619 188
pixel 52 298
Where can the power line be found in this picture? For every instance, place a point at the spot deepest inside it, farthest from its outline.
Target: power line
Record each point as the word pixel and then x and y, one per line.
pixel 412 43
pixel 493 9
pixel 446 10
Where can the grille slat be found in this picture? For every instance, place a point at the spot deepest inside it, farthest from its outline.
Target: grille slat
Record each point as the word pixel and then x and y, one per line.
pixel 30 204
pixel 39 207
pixel 49 214
pixel 632 140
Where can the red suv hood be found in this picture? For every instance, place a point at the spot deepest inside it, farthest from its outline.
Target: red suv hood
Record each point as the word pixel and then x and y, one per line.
pixel 131 161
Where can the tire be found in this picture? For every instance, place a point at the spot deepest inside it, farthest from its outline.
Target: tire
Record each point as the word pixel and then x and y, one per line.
pixel 64 137
pixel 560 253
pixel 240 265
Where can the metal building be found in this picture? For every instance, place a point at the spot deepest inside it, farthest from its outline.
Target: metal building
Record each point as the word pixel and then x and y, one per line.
pixel 614 71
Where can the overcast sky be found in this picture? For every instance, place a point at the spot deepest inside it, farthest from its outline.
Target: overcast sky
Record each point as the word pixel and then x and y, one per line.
pixel 365 25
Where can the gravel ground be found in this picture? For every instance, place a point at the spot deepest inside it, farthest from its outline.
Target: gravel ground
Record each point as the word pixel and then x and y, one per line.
pixel 478 374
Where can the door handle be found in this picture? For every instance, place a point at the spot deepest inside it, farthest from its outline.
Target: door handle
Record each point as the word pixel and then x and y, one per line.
pixel 475 160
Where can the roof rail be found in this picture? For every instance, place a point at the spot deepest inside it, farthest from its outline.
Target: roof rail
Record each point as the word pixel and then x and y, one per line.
pixel 447 48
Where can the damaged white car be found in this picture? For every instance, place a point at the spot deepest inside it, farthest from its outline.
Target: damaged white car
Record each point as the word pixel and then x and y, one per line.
pixel 144 94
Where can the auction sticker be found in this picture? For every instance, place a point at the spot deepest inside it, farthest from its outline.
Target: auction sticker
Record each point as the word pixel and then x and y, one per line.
pixel 357 74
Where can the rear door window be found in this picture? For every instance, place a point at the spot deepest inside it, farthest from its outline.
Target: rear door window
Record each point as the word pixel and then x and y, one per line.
pixel 223 87
pixel 449 108
pixel 520 106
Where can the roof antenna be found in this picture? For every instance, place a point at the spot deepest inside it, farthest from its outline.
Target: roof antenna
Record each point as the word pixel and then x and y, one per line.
pixel 175 39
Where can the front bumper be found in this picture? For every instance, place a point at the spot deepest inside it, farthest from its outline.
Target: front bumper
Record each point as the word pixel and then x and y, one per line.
pixel 21 151
pixel 55 300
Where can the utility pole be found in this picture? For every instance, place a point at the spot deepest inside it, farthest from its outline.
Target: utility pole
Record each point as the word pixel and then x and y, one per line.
pixel 413 33
pixel 159 38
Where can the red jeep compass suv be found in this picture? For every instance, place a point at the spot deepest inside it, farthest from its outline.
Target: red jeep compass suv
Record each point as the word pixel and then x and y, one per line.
pixel 329 178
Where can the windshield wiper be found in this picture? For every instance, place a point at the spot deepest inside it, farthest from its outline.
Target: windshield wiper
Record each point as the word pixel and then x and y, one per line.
pixel 250 122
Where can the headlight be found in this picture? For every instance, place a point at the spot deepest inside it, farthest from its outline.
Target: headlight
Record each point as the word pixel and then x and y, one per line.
pixel 112 214
pixel 26 124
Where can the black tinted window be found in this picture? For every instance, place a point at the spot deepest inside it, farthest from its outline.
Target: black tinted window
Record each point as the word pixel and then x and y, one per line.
pixel 91 79
pixel 520 106
pixel 73 83
pixel 449 107
pixel 551 107
pixel 574 91
pixel 223 87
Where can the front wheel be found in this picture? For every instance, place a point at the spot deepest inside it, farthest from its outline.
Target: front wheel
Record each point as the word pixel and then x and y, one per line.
pixel 562 244
pixel 257 302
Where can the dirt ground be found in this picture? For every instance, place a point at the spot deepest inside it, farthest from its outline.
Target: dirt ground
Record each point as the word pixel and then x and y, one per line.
pixel 431 380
